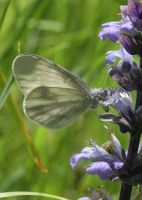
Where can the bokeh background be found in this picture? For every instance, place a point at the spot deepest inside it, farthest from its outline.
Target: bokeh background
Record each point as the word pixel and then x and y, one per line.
pixel 65 31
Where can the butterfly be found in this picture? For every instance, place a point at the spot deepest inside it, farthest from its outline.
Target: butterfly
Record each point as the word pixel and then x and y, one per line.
pixel 53 96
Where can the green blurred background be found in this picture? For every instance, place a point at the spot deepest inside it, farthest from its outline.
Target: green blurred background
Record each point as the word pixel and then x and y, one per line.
pixel 65 31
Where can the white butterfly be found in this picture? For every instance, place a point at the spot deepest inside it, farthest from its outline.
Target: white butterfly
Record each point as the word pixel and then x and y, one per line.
pixel 54 96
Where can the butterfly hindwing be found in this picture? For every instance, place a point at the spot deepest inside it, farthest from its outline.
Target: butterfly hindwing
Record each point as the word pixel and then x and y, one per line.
pixel 55 107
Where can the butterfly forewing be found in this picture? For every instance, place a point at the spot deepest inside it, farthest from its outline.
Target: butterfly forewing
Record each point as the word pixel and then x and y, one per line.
pixel 53 96
pixel 32 71
pixel 55 107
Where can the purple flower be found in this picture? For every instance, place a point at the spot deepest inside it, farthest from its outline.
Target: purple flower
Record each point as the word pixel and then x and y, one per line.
pixel 111 56
pixel 104 164
pixel 122 102
pixel 110 30
pixel 128 30
pixel 126 73
pixel 128 119
pixel 113 30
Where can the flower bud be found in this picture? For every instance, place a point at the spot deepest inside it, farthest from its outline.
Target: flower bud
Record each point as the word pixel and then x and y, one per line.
pixel 129 44
pixel 135 13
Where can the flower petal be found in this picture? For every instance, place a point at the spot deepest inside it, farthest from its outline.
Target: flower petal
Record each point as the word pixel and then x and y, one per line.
pixel 121 78
pixel 102 169
pixel 86 153
pixel 111 56
pixel 123 102
pixel 118 165
pixel 128 28
pixel 130 44
pixel 109 117
pixel 100 153
pixel 95 153
pixel 117 145
pixel 110 30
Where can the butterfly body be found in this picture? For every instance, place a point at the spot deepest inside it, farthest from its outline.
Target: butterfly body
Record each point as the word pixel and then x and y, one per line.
pixel 53 96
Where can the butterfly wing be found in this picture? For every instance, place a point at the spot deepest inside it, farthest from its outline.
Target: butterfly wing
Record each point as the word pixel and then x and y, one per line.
pixel 32 71
pixel 53 95
pixel 55 107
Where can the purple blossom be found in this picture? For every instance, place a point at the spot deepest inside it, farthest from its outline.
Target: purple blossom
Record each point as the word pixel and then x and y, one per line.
pixel 110 30
pixel 113 30
pixel 128 119
pixel 104 164
pixel 128 30
pixel 122 102
pixel 126 73
pixel 135 13
pixel 112 166
pixel 111 56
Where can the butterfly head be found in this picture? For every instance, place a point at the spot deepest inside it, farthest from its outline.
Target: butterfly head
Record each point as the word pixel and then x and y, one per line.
pixel 97 96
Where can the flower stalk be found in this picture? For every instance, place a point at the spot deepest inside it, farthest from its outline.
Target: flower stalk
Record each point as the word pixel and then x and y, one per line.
pixel 126 190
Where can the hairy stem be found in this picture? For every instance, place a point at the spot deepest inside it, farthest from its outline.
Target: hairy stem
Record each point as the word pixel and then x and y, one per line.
pixel 126 190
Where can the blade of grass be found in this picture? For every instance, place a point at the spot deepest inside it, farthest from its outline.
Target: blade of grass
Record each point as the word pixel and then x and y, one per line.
pixel 38 194
pixel 6 90
pixel 4 13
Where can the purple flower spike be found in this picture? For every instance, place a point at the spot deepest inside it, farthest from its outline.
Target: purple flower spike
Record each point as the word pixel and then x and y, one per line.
pixel 110 30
